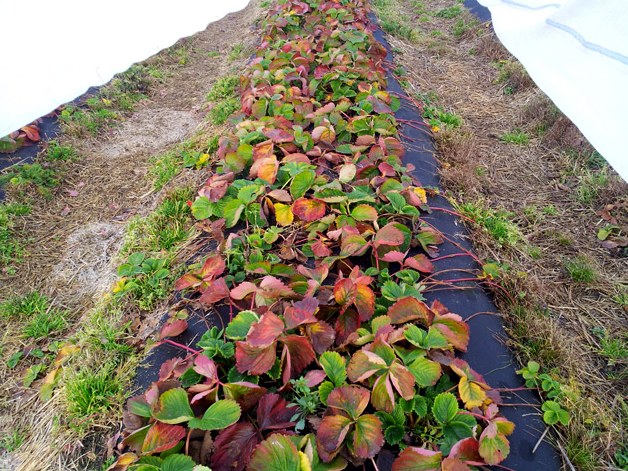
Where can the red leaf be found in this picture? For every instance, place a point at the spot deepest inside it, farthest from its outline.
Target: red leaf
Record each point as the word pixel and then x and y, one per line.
pixel 172 329
pixel 265 331
pixel 320 249
pixel 299 354
pixel 243 290
pixel 388 235
pixel 187 281
pixel 233 447
pixel 466 449
pixel 278 135
pixel 265 168
pixel 364 364
pixel 420 262
pixel 314 377
pixel 216 290
pixel 247 395
pixel 162 437
pixel 309 210
pixel 273 412
pixel 365 302
pixel 454 464
pixel 455 330
pixel 351 400
pixel 393 256
pixel 253 360
pixel 205 366
pixel 301 312
pixel 409 309
pixel 31 132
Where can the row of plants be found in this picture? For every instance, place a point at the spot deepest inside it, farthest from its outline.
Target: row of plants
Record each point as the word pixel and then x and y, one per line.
pixel 330 353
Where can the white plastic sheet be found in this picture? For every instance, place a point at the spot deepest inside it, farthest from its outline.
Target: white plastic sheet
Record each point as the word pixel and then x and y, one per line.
pixel 53 51
pixel 577 53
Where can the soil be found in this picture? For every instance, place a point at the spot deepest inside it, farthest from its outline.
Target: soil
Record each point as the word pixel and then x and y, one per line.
pixel 562 315
pixel 73 237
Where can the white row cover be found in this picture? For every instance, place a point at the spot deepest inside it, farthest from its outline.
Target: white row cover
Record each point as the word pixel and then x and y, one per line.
pixel 52 51
pixel 577 53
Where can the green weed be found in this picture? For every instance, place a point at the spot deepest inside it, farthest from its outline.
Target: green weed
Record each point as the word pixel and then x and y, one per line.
pixel 163 168
pixel 147 280
pixel 31 175
pixel 23 307
pixel 497 223
pixel 462 26
pixel 516 137
pixel 11 249
pixel 12 441
pixel 58 152
pixel 45 323
pixel 590 184
pixel 236 52
pixel 450 12
pixel 222 110
pixel 580 270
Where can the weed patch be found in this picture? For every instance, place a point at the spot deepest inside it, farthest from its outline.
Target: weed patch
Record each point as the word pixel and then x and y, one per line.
pixel 579 269
pixel 498 223
pixel 517 136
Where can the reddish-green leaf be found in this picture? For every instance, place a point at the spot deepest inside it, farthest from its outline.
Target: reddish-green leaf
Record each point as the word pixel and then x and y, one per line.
pixel 173 407
pixel 364 364
pixel 494 446
pixel 244 393
pixel 264 332
pixel 364 212
pixel 331 434
pixel 323 134
pixel 402 379
pixel 418 459
pixel 383 396
pixel 350 399
pixel 322 336
pixel 309 210
pixel 364 301
pixel 162 437
pixel 173 328
pixel 299 354
pixel 426 372
pixel 276 453
pixel 301 312
pixel 410 309
pixel 273 412
pixel 454 329
pixel 367 436
pixel 218 416
pixel 254 360
pixel 420 263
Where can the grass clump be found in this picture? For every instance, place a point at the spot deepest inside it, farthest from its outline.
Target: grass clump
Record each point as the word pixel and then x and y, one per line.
pixel 449 12
pixel 498 223
pixel 12 441
pixel 92 391
pixel 44 324
pixel 42 319
pixel 392 22
pixel 57 152
pixel 27 306
pixel 517 136
pixel 11 250
pixel 35 175
pixel 236 52
pixel 580 270
pixel 224 97
pixel 590 184
pixel 164 228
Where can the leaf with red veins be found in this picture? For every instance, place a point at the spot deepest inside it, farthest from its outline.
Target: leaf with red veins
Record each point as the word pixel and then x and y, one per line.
pixel 243 290
pixel 206 367
pixel 322 336
pixel 162 437
pixel 410 309
pixel 454 329
pixel 420 263
pixel 402 380
pixel 299 354
pixel 418 459
pixel 383 396
pixel 331 434
pixel 367 436
pixel 173 328
pixel 233 447
pixel 216 290
pixel 301 312
pixel 344 292
pixel 364 364
pixel 265 331
pixel 309 209
pixel 255 361
pixel 347 323
pixel 364 301
pixel 278 135
pixel 352 400
pixel 274 412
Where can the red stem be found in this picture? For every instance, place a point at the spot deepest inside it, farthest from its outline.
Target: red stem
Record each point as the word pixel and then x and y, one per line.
pixel 184 347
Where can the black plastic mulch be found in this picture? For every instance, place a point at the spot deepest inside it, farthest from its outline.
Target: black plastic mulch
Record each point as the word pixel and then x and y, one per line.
pixel 487 354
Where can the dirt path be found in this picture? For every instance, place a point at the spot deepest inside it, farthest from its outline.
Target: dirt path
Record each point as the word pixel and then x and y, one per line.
pixel 75 236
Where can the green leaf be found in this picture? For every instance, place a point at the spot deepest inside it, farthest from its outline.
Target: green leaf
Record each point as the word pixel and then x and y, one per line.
pixel 249 193
pixel 178 463
pixel 276 453
pixel 240 325
pixel 232 211
pixel 219 415
pixel 173 407
pixel 394 434
pixel 364 212
pixel 202 208
pixel 324 390
pixel 301 183
pixel 334 366
pixel 426 372
pixel 31 374
pixel 331 195
pixel 445 408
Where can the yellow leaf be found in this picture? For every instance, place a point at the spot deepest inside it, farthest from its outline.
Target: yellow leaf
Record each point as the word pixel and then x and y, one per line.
pixel 283 213
pixel 420 192
pixel 305 462
pixel 66 350
pixel 471 393
pixel 119 285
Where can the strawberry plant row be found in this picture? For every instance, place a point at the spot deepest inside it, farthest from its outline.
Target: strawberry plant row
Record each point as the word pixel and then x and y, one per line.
pixel 331 353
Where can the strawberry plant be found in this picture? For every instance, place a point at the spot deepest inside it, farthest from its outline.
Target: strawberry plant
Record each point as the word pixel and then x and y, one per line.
pixel 329 352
